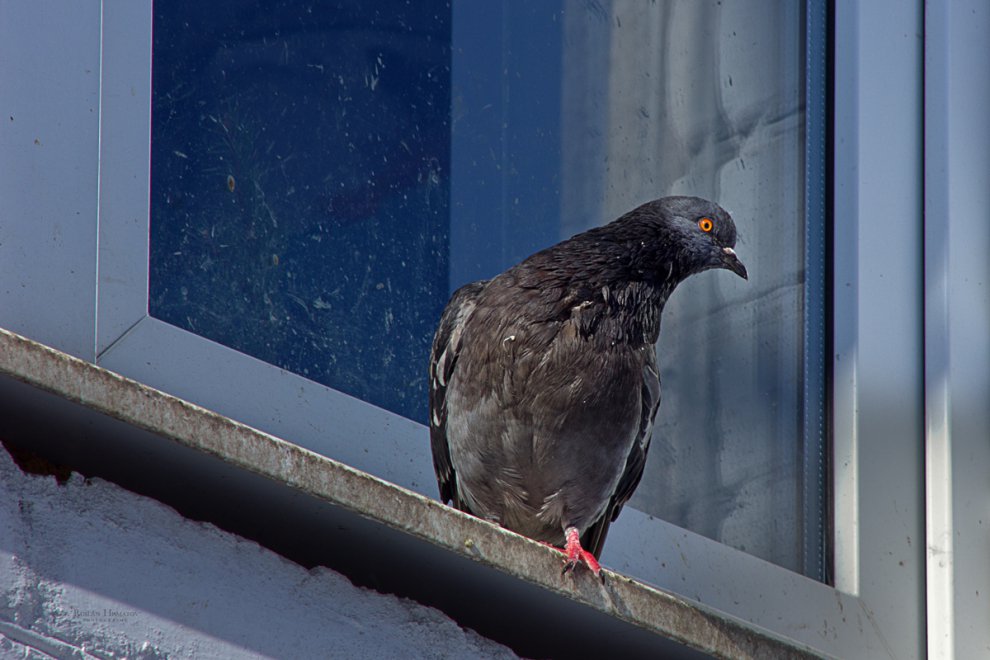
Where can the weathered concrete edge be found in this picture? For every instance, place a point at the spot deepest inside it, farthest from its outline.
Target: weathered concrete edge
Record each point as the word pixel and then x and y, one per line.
pixel 316 475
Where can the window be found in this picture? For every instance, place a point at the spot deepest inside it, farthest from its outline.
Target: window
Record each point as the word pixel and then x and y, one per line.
pixel 324 176
pixel 875 603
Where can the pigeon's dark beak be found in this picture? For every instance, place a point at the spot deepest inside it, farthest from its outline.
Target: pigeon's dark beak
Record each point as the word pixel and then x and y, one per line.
pixel 731 262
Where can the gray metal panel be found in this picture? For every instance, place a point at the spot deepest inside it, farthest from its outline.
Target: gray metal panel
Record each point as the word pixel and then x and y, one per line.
pixel 878 388
pixel 957 325
pixel 815 490
pixel 49 96
pixel 276 401
pixel 125 155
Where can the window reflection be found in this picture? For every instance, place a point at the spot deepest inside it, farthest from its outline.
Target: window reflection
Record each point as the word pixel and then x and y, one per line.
pixel 676 97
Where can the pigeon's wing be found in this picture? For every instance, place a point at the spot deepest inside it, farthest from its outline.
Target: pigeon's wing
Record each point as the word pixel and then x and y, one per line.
pixel 443 361
pixel 594 536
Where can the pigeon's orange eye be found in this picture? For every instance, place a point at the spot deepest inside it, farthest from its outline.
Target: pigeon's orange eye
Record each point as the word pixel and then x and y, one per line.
pixel 706 224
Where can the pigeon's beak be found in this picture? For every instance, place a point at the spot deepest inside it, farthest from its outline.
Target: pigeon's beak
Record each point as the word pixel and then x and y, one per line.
pixel 731 262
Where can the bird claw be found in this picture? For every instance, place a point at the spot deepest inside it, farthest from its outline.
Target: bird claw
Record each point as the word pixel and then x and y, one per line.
pixel 578 555
pixel 594 568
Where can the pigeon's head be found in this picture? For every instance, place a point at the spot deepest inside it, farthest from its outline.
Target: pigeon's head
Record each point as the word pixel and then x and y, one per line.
pixel 689 234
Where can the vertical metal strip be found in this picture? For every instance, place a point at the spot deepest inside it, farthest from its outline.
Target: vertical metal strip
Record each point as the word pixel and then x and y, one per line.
pixel 815 480
pixel 939 537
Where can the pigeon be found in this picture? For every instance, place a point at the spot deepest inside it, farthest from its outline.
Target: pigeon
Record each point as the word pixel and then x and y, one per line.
pixel 544 381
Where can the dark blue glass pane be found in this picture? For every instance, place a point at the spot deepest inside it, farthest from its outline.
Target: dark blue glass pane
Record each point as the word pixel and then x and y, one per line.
pixel 507 73
pixel 300 185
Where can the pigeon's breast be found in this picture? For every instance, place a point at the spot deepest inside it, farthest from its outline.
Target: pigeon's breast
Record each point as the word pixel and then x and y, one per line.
pixel 544 423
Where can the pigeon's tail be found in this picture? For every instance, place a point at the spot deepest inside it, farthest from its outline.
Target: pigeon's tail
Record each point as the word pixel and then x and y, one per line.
pixel 593 539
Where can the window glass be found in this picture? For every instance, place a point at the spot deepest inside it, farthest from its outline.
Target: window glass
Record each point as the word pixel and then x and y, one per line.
pixel 300 185
pixel 324 175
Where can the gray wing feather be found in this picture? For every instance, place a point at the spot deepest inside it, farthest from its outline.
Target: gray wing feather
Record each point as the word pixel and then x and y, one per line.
pixel 443 361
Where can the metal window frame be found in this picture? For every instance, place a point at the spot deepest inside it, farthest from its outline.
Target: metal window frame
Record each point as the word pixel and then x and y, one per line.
pixel 816 489
pixel 877 606
pixel 957 326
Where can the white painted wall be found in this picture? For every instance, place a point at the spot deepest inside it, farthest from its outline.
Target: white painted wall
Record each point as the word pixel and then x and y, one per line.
pixel 90 569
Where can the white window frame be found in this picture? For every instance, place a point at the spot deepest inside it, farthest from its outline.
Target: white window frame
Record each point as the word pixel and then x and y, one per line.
pixel 97 265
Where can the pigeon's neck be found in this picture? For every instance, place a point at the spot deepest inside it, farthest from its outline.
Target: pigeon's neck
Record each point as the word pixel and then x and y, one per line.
pixel 631 312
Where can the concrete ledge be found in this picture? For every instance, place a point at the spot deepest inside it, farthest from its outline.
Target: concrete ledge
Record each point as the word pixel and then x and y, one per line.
pixel 414 545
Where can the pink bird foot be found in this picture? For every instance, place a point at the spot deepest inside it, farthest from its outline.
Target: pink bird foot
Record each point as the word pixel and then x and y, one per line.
pixel 576 554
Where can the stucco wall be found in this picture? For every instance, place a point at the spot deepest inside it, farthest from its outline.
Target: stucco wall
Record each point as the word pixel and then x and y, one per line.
pixel 88 569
